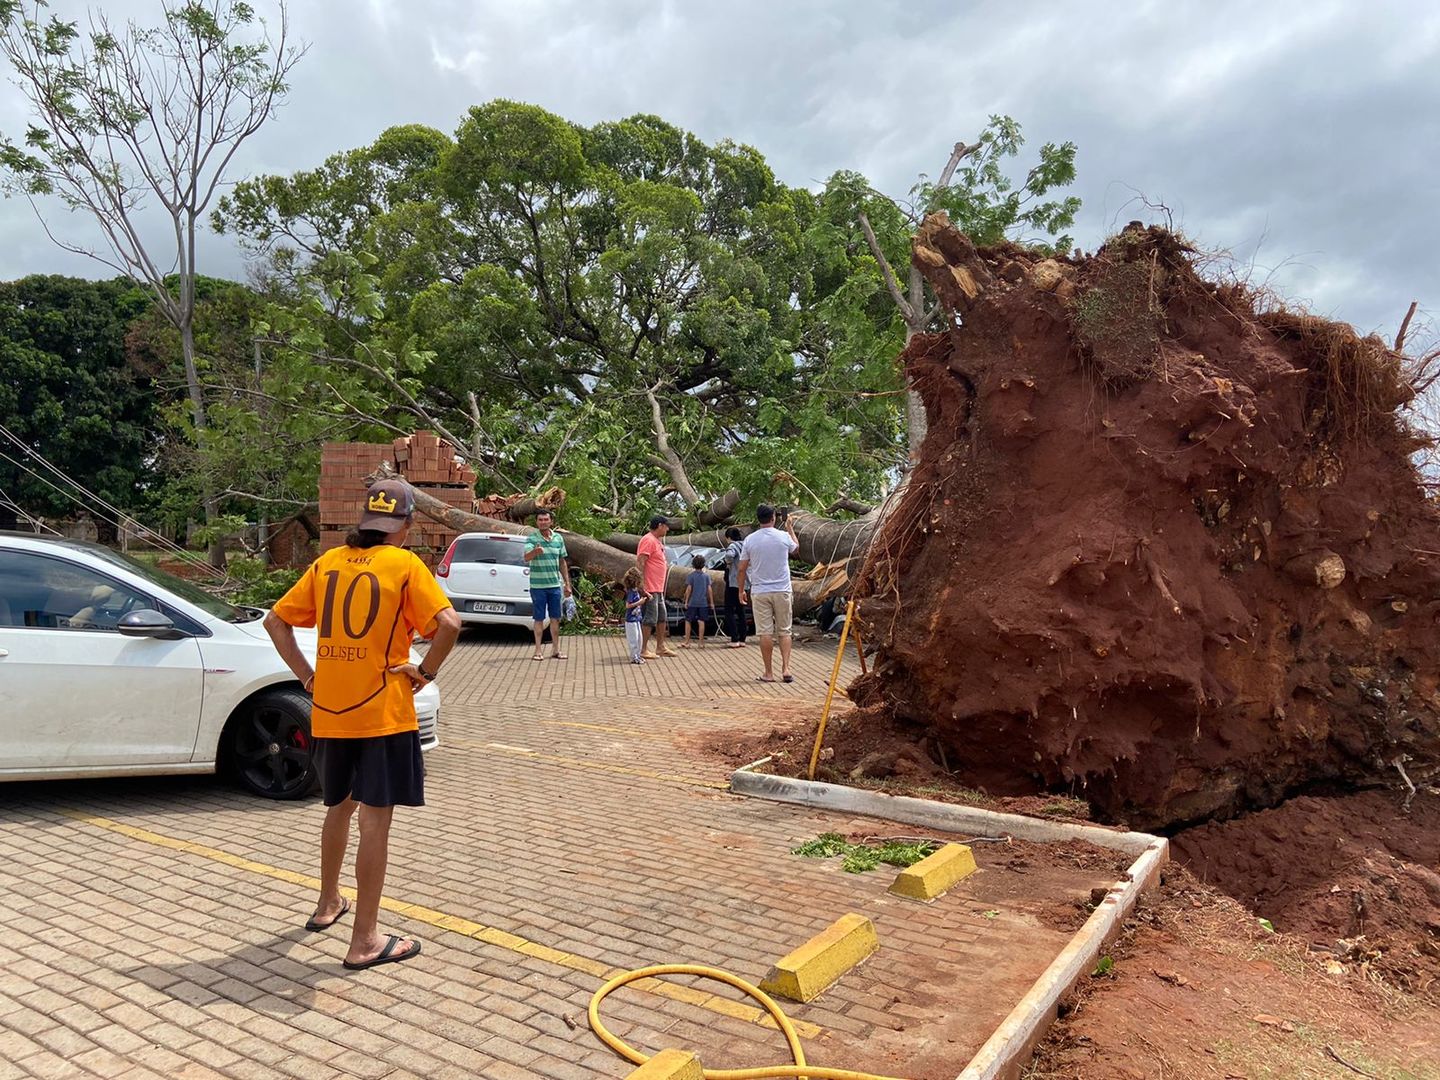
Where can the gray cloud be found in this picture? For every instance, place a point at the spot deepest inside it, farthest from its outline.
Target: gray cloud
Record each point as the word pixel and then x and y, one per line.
pixel 1297 136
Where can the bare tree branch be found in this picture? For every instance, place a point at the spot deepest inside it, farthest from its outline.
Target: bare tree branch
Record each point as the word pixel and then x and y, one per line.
pixel 906 311
pixel 854 506
pixel 565 442
pixel 1405 326
pixel 948 173
pixel 668 459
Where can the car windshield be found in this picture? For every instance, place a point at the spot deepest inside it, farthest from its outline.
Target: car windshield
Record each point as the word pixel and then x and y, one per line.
pixel 681 555
pixel 186 590
pixel 489 549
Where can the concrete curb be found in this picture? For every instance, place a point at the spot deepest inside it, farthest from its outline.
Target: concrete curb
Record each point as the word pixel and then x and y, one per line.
pixel 948 817
pixel 1011 1044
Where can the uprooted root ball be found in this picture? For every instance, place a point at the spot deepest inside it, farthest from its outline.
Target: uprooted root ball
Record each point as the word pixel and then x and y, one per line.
pixel 1160 551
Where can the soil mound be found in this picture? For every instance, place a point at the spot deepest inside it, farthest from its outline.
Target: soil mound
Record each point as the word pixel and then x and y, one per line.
pixel 1163 551
pixel 1353 874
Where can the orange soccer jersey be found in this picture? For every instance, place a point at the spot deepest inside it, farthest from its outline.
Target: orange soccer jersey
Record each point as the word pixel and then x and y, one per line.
pixel 367 605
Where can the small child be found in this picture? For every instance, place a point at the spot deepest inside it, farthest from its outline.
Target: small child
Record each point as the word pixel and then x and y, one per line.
pixel 699 599
pixel 634 605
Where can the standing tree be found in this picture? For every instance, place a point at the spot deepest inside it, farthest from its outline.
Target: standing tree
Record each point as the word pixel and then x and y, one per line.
pixel 124 118
pixel 70 396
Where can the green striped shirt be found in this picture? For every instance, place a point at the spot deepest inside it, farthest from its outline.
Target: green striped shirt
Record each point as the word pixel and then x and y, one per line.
pixel 545 567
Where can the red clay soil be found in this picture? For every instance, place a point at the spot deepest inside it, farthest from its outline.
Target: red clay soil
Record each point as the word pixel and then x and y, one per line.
pixel 1355 874
pixel 1200 991
pixel 865 749
pixel 1161 549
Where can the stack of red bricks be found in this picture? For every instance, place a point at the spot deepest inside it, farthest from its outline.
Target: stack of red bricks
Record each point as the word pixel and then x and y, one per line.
pixel 425 460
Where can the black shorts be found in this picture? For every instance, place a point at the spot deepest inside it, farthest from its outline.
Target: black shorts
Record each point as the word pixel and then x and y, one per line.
pixel 383 770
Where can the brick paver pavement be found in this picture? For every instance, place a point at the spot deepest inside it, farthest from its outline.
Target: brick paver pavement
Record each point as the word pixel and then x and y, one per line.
pixel 153 927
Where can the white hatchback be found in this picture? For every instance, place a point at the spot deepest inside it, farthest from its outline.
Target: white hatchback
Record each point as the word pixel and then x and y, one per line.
pixel 111 668
pixel 485 576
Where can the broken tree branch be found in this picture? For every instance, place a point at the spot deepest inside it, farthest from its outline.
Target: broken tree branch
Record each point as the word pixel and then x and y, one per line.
pixel 853 506
pixel 1405 326
pixel 960 152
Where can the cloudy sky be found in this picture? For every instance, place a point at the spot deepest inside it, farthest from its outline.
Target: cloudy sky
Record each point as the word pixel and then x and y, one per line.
pixel 1300 137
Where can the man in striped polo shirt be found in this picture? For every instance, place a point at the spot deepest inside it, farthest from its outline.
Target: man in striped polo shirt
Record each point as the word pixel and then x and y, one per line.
pixel 549 581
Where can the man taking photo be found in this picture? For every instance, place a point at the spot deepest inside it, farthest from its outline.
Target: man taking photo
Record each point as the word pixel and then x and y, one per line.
pixel 367 600
pixel 765 570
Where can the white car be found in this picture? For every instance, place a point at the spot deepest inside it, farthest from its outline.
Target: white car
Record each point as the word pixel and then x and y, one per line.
pixel 487 580
pixel 111 668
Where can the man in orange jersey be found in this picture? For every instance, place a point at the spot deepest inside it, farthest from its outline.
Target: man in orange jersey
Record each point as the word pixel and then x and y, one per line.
pixel 367 599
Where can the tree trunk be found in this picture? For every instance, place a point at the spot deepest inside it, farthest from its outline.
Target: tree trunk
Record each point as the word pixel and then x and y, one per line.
pixel 825 540
pixel 609 562
pixel 822 539
pixel 703 538
pixel 916 423
pixel 197 416
pixel 720 511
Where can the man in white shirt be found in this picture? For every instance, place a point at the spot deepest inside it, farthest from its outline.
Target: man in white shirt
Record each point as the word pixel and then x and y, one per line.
pixel 765 569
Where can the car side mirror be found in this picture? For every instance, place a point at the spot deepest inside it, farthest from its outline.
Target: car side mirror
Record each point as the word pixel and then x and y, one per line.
pixel 149 623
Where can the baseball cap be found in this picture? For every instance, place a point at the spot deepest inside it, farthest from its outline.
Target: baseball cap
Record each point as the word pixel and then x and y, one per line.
pixel 388 505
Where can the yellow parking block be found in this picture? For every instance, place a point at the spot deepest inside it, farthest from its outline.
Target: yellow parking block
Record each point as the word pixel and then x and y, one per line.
pixel 670 1065
pixel 935 874
pixel 807 971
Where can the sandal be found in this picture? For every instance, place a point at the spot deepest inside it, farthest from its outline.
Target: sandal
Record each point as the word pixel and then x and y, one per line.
pixel 314 924
pixel 387 955
pixel 761 678
pixel 559 656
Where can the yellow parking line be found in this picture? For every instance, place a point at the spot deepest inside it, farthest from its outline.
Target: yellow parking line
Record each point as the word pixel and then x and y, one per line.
pixel 599 766
pixel 452 923
pixel 711 714
pixel 609 730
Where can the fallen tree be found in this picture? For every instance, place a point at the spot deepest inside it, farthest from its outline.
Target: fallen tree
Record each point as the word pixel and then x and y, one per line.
pixel 1162 548
pixel 822 540
pixel 520 507
pixel 609 562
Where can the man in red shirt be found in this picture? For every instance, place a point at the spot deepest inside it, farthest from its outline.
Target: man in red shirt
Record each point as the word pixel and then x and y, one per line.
pixel 650 558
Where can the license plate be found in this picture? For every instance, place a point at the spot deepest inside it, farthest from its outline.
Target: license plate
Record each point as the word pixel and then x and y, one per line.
pixel 489 609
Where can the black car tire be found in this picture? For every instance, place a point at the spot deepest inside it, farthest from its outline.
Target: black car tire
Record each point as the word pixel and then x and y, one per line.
pixel 268 746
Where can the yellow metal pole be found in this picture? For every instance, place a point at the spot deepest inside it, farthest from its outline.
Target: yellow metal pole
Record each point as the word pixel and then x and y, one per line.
pixel 830 694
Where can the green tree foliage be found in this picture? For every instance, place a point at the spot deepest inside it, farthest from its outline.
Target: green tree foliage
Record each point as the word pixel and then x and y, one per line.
pixel 539 291
pixel 976 192
pixel 69 393
pixel 262 451
pixel 534 279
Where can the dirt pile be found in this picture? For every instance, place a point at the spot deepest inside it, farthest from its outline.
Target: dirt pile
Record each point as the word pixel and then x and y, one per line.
pixel 1163 550
pixel 1354 875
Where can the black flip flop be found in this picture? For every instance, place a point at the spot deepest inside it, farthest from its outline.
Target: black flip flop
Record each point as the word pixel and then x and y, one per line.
pixel 313 924
pixel 787 678
pixel 388 955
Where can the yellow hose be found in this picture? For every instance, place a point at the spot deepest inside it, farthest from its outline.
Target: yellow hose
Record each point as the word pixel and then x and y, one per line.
pixel 799 1069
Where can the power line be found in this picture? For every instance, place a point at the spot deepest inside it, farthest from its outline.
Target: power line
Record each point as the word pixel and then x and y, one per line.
pixel 35 523
pixel 120 518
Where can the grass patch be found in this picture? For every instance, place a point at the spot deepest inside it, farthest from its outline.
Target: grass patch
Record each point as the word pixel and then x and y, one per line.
pixel 861 858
